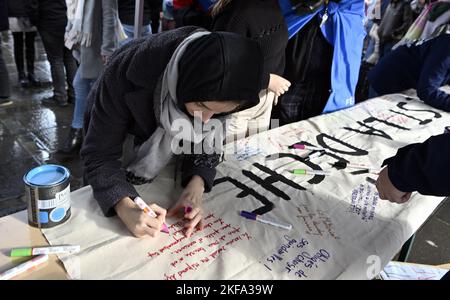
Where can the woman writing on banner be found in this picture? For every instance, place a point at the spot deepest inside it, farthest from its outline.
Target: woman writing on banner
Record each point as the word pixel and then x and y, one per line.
pixel 148 85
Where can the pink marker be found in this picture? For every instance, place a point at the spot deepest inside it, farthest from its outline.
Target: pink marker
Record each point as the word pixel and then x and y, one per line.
pixel 148 211
pixel 306 147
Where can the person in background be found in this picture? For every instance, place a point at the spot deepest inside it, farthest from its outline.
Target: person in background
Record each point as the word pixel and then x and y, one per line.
pixel 424 67
pixel 376 10
pixel 322 68
pixel 167 20
pixel 4 75
pixel 155 14
pixel 20 26
pixel 417 6
pixel 263 22
pixel 50 18
pixel 394 23
pixel 150 86
pixel 94 35
pixel 420 167
pixel 127 13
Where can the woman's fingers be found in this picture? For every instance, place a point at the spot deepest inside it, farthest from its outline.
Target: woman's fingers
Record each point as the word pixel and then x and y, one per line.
pixel 159 210
pixel 190 226
pixel 150 231
pixel 193 213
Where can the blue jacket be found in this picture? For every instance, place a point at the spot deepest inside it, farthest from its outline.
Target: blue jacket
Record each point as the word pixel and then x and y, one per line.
pixel 345 31
pixel 424 67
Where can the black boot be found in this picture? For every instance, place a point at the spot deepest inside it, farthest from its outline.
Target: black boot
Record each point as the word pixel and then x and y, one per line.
pixel 23 81
pixel 73 142
pixel 33 80
pixel 52 101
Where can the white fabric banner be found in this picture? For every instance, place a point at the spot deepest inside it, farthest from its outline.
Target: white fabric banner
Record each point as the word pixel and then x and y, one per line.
pixel 341 229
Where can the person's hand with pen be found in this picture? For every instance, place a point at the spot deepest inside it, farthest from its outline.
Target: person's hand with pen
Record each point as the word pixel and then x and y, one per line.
pixel 190 202
pixel 138 221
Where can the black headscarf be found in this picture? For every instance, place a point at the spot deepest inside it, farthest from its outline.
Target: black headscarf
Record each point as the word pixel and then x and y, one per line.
pixel 221 66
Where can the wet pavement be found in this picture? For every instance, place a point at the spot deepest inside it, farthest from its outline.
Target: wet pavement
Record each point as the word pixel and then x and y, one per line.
pixel 30 134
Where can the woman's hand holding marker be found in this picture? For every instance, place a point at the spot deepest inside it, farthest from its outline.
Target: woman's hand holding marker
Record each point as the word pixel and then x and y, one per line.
pixel 191 202
pixel 138 222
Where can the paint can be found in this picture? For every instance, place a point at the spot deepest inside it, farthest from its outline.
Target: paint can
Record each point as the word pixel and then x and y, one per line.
pixel 47 190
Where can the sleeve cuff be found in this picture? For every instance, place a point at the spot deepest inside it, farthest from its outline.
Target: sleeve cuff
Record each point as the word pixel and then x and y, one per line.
pixel 208 175
pixel 108 200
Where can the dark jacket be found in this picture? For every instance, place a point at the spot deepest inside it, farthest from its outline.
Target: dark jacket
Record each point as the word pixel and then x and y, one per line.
pixel 422 167
pixel 17 8
pixel 48 15
pixel 121 103
pixel 4 24
pixel 424 67
pixel 127 10
pixel 262 21
pixel 395 21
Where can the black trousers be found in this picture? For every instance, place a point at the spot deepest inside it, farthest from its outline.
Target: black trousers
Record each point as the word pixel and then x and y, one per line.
pixel 60 58
pixel 18 38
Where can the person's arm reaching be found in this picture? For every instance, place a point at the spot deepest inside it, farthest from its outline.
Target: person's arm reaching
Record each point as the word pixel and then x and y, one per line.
pixel 417 167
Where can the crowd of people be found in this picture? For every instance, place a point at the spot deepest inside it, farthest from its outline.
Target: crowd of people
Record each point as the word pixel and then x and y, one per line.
pixel 246 61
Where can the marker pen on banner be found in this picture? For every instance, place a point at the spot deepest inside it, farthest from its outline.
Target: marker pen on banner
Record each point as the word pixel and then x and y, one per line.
pixel 306 147
pixel 252 216
pixel 310 172
pixel 22 268
pixel 314 155
pixel 148 211
pixel 18 252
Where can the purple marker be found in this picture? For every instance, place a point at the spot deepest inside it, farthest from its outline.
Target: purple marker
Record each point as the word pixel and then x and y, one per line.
pixel 187 209
pixel 252 216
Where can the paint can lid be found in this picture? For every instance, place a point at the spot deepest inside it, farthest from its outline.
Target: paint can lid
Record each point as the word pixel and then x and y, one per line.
pixel 46 175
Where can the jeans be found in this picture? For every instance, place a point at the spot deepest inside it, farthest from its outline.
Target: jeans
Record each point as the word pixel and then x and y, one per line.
pixel 29 51
pixel 129 31
pixel 4 76
pixel 82 88
pixel 59 57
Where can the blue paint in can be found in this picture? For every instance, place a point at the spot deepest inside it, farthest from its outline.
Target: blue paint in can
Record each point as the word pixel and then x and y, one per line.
pixel 48 194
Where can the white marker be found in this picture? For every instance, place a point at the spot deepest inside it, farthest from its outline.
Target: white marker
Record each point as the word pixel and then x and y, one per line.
pixel 310 172
pixel 19 252
pixel 26 266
